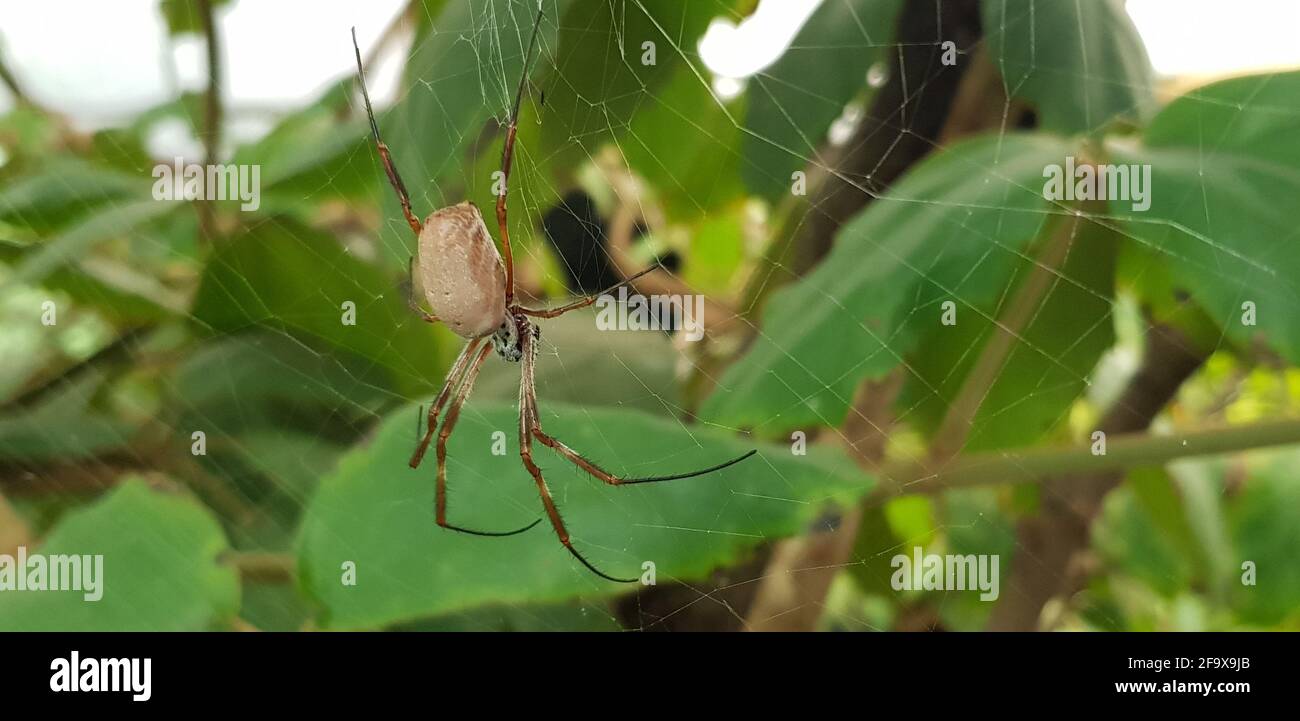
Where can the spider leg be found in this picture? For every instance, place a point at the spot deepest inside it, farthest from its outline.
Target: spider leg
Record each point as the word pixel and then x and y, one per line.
pixel 527 422
pixel 554 312
pixel 507 159
pixel 389 168
pixel 613 480
pixel 411 303
pixel 526 453
pixel 448 424
pixel 453 381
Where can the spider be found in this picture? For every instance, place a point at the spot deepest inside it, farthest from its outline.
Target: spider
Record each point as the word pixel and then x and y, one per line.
pixel 471 290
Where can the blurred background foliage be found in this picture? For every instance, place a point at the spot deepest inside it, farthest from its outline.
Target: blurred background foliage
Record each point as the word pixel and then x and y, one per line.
pixel 922 183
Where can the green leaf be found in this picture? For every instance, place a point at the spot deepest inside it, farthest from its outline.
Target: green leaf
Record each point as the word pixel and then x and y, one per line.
pixel 27 129
pixel 62 188
pixel 63 427
pixel 160 569
pixel 957 227
pixel 1200 485
pixel 1262 522
pixel 463 69
pixel 1130 541
pixel 686 143
pixel 567 617
pixel 1225 173
pixel 286 276
pixel 977 525
pixel 183 16
pixel 597 83
pixel 792 104
pixel 1158 496
pixel 376 512
pixel 1052 357
pixel 258 379
pixel 873 566
pixel 717 250
pixel 311 156
pixel 1080 63
pixel 75 242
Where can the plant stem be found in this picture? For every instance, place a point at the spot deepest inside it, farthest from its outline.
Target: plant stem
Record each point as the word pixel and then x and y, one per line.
pixel 1028 299
pixel 1043 566
pixel 981 469
pixel 211 115
pixel 1122 452
pixel 260 567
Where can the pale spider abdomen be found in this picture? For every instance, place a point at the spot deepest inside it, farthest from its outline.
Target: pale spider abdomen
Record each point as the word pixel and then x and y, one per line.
pixel 460 271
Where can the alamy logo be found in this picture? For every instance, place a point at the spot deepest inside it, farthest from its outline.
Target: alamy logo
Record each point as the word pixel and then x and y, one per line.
pixel 948 572
pixel 652 312
pixel 60 572
pixel 180 181
pixel 1086 181
pixel 77 674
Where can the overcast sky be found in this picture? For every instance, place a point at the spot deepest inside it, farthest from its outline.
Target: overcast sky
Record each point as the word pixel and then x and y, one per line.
pixel 102 61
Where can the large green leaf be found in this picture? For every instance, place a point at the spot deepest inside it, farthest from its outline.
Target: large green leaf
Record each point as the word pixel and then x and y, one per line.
pixel 63 426
pixel 792 104
pixel 376 512
pixel 160 568
pixel 1130 541
pixel 1225 173
pixel 310 156
pixel 46 193
pixel 598 83
pixel 1080 63
pixel 1197 534
pixel 1262 523
pixel 687 144
pixel 286 276
pixel 1052 356
pixel 463 69
pixel 957 228
pixel 74 242
pixel 275 414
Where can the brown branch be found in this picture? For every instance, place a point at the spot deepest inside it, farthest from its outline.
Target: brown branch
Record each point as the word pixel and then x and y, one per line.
pixel 260 567
pixel 15 89
pixel 922 96
pixel 13 529
pixel 916 99
pixel 212 114
pixel 792 592
pixel 787 602
pixel 904 123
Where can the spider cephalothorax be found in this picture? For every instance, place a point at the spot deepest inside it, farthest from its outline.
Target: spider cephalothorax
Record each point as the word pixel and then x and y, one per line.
pixel 508 339
pixel 470 287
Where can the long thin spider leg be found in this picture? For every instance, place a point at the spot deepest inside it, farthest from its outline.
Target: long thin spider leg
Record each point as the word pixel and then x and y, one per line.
pixel 453 381
pixel 507 159
pixel 448 425
pixel 554 312
pixel 613 480
pixel 411 302
pixel 394 179
pixel 527 421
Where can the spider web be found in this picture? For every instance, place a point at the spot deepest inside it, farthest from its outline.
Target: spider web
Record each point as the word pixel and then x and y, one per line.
pixel 642 371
